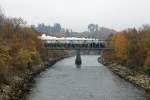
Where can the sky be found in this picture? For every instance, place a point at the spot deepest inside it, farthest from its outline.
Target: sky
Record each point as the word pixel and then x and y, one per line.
pixel 77 14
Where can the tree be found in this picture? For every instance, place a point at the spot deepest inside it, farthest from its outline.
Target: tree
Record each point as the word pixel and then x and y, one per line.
pixel 147 64
pixel 120 45
pixel 2 19
pixel 92 28
pixel 135 60
pixel 145 47
pixel 5 57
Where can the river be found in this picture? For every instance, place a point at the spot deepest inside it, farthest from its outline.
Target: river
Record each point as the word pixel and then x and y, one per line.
pixel 93 81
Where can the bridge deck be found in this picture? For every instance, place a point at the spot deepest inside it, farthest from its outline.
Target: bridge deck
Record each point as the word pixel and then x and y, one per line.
pixel 79 48
pixel 76 45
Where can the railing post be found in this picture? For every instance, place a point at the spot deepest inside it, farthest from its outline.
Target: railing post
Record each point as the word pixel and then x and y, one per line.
pixel 78 58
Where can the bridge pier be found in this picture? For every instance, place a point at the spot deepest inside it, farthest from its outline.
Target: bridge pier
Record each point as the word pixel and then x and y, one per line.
pixel 78 60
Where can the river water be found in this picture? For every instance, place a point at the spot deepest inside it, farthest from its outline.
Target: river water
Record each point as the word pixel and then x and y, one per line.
pixel 93 81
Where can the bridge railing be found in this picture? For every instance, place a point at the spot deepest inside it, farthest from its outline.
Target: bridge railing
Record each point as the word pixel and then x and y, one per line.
pixel 78 44
pixel 74 46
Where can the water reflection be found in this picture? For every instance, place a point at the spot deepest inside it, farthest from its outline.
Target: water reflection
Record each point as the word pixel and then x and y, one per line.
pixel 78 66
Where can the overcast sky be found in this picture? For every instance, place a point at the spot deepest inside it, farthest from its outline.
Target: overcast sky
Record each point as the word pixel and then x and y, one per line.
pixel 77 14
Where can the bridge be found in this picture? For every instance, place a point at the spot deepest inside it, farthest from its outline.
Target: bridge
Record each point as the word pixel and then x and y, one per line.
pixel 72 43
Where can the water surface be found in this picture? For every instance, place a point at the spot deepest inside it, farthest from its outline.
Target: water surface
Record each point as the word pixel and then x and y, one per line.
pixel 93 81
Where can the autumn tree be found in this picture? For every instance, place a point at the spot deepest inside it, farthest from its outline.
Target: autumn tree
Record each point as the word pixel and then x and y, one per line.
pixel 120 46
pixel 145 47
pixel 132 48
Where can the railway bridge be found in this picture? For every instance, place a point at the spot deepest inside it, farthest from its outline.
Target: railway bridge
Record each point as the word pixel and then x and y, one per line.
pixel 72 43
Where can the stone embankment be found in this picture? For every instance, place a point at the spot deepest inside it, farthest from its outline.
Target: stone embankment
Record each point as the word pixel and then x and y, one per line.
pixel 138 79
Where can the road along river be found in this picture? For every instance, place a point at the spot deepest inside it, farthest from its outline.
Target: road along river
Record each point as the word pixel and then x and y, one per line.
pixel 93 81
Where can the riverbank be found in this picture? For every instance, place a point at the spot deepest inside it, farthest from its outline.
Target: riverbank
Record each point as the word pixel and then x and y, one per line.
pixel 20 85
pixel 138 79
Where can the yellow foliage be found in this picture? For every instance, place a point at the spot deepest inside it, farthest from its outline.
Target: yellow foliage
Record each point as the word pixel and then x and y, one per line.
pixel 120 45
pixel 24 56
pixel 4 58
